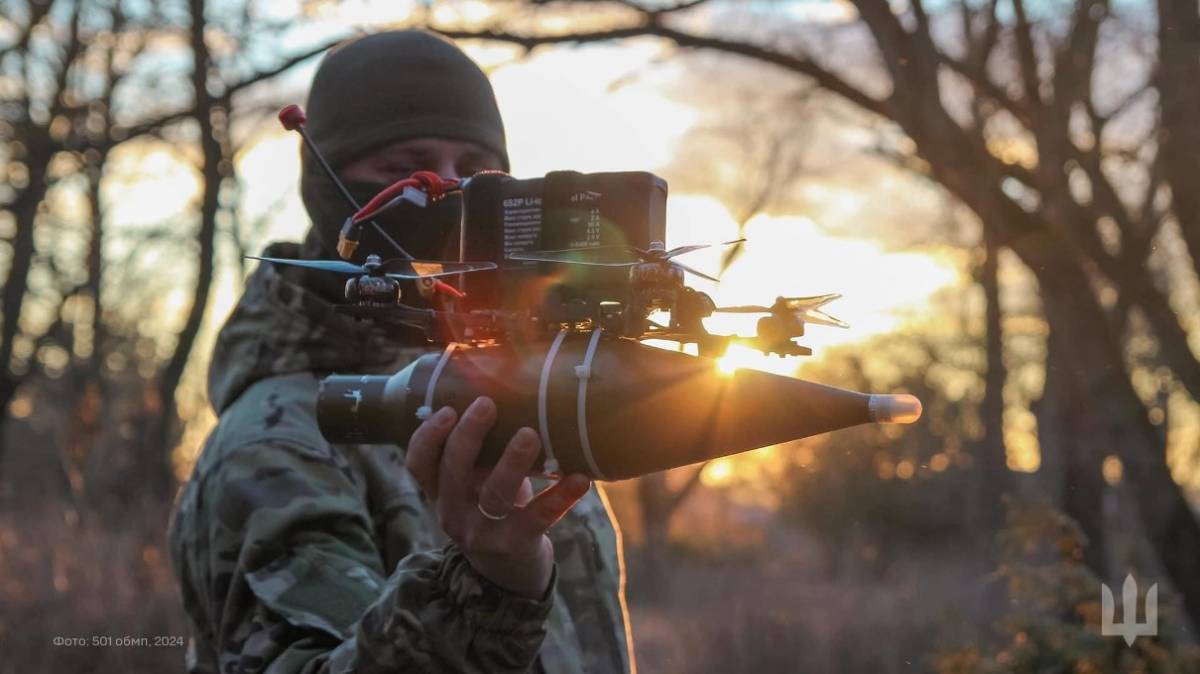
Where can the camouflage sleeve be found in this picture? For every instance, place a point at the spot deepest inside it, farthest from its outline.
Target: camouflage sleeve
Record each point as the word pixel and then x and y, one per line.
pixel 297 583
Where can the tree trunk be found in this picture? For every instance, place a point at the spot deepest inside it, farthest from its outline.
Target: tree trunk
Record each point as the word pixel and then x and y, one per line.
pixel 1179 137
pixel 24 210
pixel 87 424
pixel 161 438
pixel 658 503
pixel 1080 492
pixel 653 501
pixel 1116 419
pixel 993 460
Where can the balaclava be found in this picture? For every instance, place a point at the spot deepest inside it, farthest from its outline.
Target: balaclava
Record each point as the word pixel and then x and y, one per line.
pixel 376 90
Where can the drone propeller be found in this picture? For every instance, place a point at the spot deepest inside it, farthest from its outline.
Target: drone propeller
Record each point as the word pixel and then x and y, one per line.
pixel 406 269
pixel 399 267
pixel 680 250
pixel 806 309
pixel 337 266
pixel 784 304
pixel 619 256
pixel 818 317
pixel 697 273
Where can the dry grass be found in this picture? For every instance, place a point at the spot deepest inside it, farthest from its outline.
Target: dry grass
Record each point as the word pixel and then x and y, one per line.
pixel 770 608
pixel 60 577
pixel 778 612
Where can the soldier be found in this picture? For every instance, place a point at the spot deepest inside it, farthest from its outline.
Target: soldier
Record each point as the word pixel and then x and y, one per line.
pixel 296 556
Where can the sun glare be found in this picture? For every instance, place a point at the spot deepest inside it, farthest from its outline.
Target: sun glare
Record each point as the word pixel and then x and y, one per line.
pixel 717 472
pixel 150 183
pixel 792 256
pixel 736 357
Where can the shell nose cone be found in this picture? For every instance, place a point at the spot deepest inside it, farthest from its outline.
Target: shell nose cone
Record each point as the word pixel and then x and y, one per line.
pixel 900 408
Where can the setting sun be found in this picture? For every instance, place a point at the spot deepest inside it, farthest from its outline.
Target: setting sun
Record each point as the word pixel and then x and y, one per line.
pixel 738 356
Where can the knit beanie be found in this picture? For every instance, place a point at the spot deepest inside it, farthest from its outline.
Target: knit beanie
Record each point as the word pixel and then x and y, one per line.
pixel 392 86
pixel 378 89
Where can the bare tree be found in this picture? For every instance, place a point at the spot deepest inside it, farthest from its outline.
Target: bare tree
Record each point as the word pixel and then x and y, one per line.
pixel 211 116
pixel 1034 78
pixel 57 108
pixel 74 75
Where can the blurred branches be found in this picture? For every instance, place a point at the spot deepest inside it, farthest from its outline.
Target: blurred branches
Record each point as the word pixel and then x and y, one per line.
pixel 89 93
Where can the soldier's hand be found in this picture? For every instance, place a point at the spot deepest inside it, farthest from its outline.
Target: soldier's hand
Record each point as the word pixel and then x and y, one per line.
pixel 510 548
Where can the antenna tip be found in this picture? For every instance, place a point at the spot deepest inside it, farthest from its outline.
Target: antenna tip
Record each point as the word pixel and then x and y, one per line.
pixel 292 117
pixel 900 408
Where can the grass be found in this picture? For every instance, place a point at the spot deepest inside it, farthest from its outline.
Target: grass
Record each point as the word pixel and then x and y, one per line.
pixel 773 607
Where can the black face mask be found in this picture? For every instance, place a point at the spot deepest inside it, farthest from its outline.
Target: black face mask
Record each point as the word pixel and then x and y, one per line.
pixel 428 233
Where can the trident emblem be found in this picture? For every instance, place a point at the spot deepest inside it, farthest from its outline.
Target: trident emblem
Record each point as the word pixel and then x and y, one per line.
pixel 1129 627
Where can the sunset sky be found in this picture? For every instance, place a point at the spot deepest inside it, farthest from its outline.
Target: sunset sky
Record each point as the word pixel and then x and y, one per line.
pixel 562 112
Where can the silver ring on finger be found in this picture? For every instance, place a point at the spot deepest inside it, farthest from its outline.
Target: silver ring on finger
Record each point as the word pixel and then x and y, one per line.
pixel 485 513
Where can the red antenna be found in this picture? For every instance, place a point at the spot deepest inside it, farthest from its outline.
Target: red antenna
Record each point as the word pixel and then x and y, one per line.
pixel 292 118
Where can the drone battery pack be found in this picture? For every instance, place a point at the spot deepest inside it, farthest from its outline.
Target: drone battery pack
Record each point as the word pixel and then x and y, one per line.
pixel 564 210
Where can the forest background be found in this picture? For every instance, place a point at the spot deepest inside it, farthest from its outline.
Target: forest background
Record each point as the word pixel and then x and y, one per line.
pixel 1003 190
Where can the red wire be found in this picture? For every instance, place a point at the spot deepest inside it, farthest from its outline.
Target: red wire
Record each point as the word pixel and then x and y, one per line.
pixel 431 183
pixel 434 186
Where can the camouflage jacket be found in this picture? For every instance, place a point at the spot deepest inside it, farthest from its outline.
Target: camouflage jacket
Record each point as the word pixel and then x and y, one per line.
pixel 293 555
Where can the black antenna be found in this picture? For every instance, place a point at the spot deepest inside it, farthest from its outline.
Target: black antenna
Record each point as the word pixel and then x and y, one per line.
pixel 292 118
